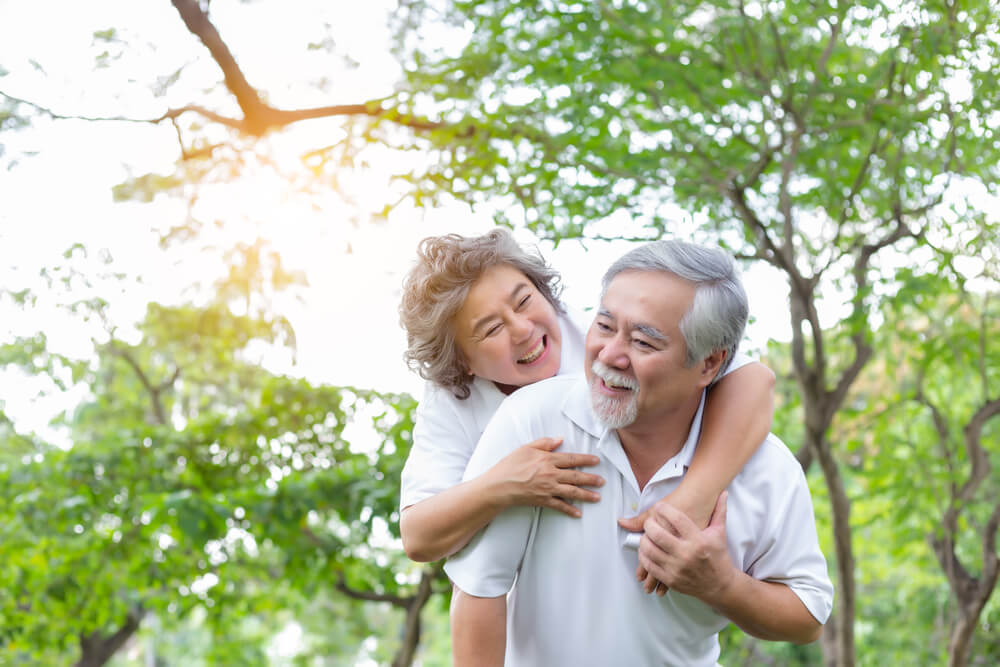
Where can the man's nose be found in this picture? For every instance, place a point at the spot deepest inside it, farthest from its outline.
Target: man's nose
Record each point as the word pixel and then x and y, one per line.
pixel 614 353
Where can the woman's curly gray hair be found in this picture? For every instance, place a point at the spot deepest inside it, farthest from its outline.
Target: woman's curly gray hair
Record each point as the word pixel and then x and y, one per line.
pixel 436 287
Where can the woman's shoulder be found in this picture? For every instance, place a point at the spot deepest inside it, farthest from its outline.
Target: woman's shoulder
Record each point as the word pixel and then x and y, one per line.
pixel 441 403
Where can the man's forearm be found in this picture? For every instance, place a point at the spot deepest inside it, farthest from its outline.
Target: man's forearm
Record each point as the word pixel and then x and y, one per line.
pixel 478 630
pixel 767 610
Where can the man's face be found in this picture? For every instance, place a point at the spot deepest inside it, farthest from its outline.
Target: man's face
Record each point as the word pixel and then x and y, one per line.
pixel 635 353
pixel 507 330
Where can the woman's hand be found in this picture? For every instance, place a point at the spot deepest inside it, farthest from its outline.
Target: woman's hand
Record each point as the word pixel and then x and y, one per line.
pixel 535 474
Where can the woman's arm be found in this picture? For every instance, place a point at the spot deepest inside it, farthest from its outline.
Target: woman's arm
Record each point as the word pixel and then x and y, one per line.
pixel 530 475
pixel 738 413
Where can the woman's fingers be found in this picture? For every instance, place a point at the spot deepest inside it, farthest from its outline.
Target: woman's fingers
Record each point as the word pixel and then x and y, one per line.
pixel 580 478
pixel 569 492
pixel 562 506
pixel 546 444
pixel 567 460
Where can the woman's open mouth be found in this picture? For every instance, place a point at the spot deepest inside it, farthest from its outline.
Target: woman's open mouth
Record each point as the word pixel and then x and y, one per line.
pixel 535 353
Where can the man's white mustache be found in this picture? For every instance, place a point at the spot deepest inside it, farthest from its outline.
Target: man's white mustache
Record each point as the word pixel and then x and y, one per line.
pixel 613 377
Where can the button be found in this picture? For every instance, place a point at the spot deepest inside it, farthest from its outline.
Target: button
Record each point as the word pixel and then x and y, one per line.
pixel 635 506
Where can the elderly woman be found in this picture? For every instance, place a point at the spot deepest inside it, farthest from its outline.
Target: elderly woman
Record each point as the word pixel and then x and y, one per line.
pixel 483 318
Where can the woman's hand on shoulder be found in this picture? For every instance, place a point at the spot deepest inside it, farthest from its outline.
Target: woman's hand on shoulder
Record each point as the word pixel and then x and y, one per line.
pixel 536 474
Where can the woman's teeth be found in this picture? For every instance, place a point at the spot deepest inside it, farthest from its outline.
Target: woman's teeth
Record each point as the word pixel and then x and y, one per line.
pixel 534 353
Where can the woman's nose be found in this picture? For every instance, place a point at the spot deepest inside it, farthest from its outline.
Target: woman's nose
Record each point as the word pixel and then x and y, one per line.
pixel 521 328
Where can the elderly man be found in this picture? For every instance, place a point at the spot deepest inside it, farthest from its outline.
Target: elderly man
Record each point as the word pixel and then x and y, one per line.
pixel 670 319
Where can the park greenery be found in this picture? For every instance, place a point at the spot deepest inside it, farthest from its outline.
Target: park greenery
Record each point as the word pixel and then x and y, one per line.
pixel 204 503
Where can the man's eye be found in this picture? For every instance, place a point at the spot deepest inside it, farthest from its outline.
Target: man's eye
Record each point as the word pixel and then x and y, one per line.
pixel 603 327
pixel 641 343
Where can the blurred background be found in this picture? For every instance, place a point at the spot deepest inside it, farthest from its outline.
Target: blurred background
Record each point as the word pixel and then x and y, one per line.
pixel 207 210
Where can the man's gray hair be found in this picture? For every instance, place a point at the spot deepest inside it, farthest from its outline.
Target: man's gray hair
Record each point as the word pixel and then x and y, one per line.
pixel 718 314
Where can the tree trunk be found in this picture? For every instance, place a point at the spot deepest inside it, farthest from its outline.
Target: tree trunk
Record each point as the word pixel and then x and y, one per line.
pixel 844 599
pixel 96 650
pixel 412 627
pixel 961 638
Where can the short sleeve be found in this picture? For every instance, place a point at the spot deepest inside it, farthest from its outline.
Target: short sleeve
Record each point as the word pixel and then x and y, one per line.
pixel 440 451
pixel 488 564
pixel 788 553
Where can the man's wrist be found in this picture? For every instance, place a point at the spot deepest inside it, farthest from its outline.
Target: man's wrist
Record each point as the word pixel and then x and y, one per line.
pixel 724 596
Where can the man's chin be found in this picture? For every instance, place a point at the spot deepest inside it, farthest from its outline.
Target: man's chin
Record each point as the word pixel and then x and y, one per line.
pixel 613 413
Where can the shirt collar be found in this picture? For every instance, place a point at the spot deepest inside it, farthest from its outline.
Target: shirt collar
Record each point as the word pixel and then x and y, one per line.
pixel 576 407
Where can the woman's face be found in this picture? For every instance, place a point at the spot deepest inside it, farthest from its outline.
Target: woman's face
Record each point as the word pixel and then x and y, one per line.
pixel 507 330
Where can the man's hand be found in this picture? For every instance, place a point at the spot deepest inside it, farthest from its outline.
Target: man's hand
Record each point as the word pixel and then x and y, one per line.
pixel 691 561
pixel 635 524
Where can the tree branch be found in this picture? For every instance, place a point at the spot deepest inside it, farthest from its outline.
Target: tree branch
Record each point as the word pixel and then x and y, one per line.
pixel 199 25
pixel 974 449
pixel 369 596
pixel 96 650
pixel 154 392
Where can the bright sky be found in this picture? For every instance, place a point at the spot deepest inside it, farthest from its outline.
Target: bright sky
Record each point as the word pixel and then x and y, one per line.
pixel 346 322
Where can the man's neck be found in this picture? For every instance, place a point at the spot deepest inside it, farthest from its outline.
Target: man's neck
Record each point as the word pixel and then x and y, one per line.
pixel 650 445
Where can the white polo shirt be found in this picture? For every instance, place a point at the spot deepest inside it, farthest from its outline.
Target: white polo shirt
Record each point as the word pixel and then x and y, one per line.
pixel 576 601
pixel 447 428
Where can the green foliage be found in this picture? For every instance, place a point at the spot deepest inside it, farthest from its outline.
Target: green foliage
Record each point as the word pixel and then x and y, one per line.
pixel 942 358
pixel 580 110
pixel 196 479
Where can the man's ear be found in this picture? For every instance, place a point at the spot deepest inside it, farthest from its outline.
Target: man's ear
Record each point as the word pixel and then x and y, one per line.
pixel 710 366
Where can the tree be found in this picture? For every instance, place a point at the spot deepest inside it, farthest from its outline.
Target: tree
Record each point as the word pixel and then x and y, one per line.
pixel 944 415
pixel 836 143
pixel 195 479
pixel 819 139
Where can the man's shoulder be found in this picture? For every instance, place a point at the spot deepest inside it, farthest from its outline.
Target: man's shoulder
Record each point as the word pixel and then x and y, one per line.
pixel 556 386
pixel 538 404
pixel 773 469
pixel 774 452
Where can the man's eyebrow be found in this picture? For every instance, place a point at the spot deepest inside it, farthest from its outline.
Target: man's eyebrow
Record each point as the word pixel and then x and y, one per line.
pixel 652 332
pixel 644 329
pixel 491 316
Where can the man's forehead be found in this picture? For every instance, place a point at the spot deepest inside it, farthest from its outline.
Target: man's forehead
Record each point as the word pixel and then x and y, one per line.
pixel 655 299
